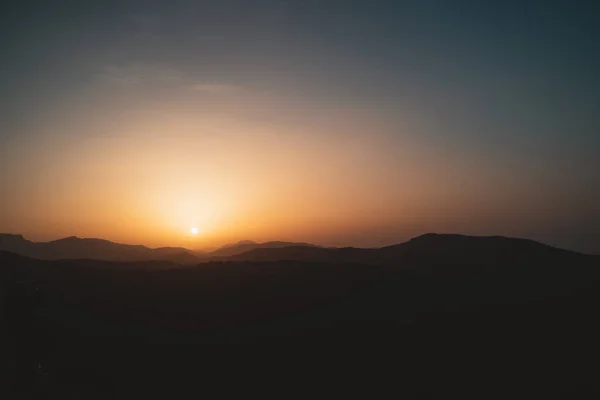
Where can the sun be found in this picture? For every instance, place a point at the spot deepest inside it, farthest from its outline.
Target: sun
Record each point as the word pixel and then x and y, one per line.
pixel 194 231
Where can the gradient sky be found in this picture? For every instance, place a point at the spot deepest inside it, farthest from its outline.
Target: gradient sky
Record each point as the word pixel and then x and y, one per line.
pixel 336 122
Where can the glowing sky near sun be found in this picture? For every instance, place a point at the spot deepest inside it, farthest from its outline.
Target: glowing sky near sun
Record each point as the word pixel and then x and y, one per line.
pixel 350 124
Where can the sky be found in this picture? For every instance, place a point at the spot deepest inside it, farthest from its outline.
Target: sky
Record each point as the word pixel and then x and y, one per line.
pixel 343 123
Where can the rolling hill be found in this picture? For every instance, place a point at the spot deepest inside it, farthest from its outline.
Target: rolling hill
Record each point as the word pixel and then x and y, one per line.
pixel 248 245
pixel 98 249
pixel 438 308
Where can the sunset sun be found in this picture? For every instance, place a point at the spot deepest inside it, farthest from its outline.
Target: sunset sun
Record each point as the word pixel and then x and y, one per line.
pixel 194 231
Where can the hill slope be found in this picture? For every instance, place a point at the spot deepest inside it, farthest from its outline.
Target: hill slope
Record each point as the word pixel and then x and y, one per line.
pixel 248 245
pixel 425 250
pixel 144 327
pixel 98 249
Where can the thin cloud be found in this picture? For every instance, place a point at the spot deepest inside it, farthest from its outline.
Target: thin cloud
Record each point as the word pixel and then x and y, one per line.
pixel 141 74
pixel 216 88
pixel 151 75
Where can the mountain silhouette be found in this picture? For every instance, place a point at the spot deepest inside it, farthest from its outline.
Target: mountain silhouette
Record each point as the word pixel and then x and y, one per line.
pixel 423 252
pixel 427 251
pixel 437 308
pixel 99 249
pixel 248 245
pixel 241 242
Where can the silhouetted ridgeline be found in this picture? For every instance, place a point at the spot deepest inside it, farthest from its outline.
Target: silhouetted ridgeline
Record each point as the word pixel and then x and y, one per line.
pixel 426 248
pixel 99 249
pixel 438 315
pixel 74 247
pixel 248 245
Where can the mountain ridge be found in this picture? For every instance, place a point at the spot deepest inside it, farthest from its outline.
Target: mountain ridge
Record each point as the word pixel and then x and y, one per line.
pixel 427 248
pixel 73 247
pixel 248 245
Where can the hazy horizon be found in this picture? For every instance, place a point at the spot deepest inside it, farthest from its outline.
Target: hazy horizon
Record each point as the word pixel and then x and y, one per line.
pixel 338 124
pixel 195 243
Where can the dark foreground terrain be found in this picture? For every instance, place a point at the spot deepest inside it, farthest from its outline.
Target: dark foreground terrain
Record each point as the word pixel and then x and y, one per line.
pixel 442 316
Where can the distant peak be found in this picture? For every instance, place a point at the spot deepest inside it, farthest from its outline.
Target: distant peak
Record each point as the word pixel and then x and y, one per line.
pixel 240 243
pixel 459 238
pixel 425 235
pixel 79 239
pixel 433 236
pixel 12 239
pixel 69 238
pixel 12 235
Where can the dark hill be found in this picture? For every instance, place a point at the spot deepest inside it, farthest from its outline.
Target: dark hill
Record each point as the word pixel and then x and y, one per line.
pixel 472 247
pixel 114 328
pixel 349 319
pixel 77 248
pixel 248 245
pixel 425 252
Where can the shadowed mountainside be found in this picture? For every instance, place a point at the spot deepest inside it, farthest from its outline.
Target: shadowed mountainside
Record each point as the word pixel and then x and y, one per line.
pixel 436 315
pixel 98 249
pixel 248 245
pixel 430 249
pixel 425 249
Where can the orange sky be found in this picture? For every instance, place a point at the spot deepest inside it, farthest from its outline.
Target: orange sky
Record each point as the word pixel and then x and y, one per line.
pixel 336 176
pixel 140 152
